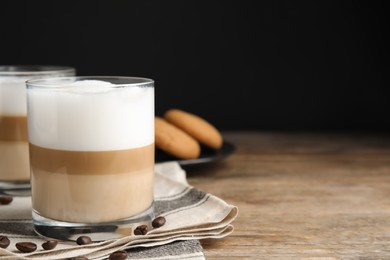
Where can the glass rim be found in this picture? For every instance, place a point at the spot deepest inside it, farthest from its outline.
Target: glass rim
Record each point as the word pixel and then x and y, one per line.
pixel 49 83
pixel 33 70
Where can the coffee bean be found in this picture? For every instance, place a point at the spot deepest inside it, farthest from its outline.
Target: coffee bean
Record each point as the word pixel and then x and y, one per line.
pixel 26 247
pixel 5 200
pixel 158 222
pixel 118 255
pixel 48 245
pixel 83 240
pixel 78 258
pixel 141 230
pixel 4 242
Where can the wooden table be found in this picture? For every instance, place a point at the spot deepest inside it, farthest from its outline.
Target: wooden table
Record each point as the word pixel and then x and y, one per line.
pixel 302 196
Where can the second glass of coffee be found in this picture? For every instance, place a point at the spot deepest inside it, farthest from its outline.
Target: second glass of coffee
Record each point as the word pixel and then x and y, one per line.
pixel 14 164
pixel 91 143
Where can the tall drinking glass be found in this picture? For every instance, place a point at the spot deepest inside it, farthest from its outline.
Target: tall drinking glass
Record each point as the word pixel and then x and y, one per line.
pixel 91 145
pixel 14 164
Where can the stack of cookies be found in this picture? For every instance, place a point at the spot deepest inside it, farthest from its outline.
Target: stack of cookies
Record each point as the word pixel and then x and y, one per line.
pixel 181 134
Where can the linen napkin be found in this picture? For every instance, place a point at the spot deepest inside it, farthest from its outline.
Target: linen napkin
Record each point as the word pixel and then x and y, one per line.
pixel 190 215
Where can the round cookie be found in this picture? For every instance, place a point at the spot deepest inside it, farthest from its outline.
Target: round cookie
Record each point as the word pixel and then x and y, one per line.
pixel 195 126
pixel 174 141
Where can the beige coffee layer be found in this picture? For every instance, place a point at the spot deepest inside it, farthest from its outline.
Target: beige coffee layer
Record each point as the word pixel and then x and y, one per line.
pixel 13 128
pixel 14 163
pixel 91 187
pixel 91 163
pixel 91 198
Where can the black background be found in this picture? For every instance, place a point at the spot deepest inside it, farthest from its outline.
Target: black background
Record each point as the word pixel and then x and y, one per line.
pixel 268 65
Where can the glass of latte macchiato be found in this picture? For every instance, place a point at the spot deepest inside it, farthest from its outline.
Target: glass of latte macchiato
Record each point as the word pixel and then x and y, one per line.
pixel 14 164
pixel 91 143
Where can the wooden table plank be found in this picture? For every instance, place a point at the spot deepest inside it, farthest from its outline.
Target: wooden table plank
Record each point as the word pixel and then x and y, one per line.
pixel 302 196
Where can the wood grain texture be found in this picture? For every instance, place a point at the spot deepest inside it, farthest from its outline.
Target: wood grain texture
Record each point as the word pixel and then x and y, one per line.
pixel 302 196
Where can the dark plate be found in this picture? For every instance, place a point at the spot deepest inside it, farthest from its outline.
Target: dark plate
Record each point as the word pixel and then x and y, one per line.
pixel 207 155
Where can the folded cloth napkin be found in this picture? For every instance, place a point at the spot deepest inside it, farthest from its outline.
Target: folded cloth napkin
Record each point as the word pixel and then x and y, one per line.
pixel 190 215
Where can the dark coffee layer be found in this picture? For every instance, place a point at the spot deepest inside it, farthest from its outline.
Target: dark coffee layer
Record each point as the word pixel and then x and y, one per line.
pixel 91 162
pixel 13 128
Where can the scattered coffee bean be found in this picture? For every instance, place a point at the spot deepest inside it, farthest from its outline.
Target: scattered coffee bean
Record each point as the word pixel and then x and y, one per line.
pixel 5 200
pixel 141 230
pixel 78 258
pixel 118 255
pixel 48 245
pixel 4 242
pixel 83 240
pixel 26 247
pixel 158 222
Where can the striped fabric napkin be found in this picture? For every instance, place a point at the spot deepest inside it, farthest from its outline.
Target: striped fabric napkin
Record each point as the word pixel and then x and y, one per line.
pixel 190 215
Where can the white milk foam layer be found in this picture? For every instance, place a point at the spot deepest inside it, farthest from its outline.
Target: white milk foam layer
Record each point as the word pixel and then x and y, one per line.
pixel 91 116
pixel 13 96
